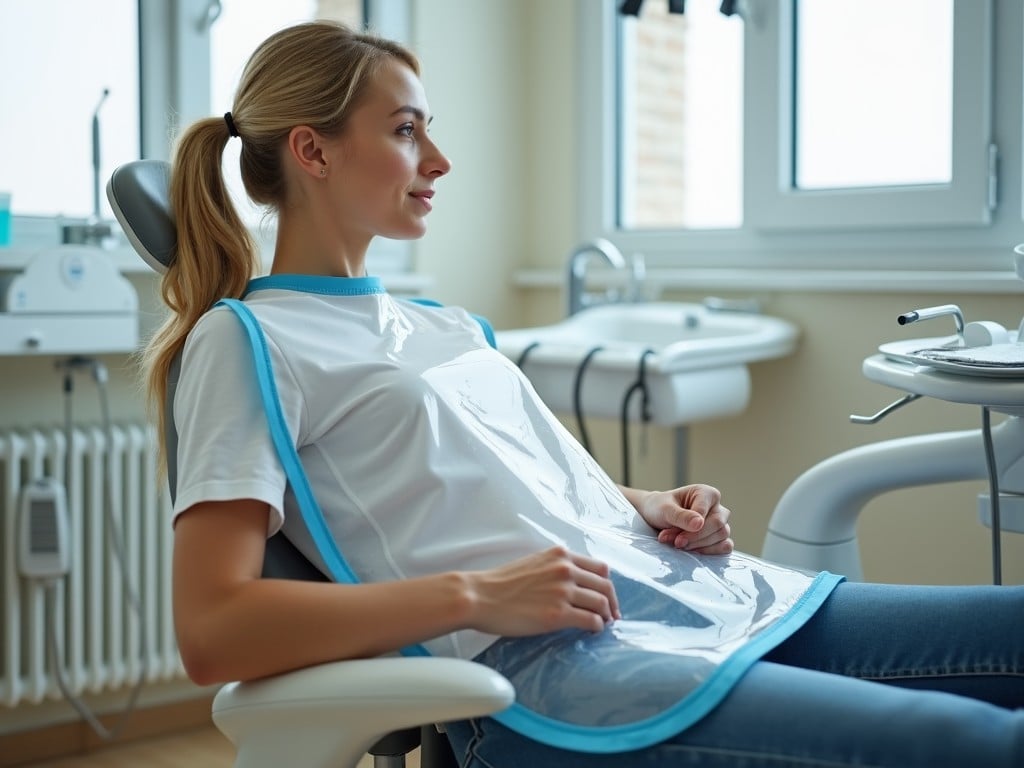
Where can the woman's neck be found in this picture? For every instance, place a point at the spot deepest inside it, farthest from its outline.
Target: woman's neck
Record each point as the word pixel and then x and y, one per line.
pixel 307 248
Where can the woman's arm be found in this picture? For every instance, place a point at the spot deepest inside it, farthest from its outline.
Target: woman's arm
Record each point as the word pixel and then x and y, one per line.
pixel 691 518
pixel 232 624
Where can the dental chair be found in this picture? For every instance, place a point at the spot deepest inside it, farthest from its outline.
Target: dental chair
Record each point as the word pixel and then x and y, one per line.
pixel 330 715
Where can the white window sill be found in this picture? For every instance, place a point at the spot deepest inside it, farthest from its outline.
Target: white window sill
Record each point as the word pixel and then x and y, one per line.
pixel 796 280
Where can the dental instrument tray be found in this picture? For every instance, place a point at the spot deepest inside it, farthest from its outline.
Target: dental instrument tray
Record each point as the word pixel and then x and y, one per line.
pixel 947 354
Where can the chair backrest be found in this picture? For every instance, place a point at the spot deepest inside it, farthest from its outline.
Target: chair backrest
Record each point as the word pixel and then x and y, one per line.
pixel 140 198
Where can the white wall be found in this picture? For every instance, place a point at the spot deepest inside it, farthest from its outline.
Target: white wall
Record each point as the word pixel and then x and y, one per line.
pixel 473 57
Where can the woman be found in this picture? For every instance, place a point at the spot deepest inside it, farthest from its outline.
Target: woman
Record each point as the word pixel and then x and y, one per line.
pixel 476 525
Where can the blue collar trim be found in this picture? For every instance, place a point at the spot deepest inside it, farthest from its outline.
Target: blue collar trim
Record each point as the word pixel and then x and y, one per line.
pixel 332 286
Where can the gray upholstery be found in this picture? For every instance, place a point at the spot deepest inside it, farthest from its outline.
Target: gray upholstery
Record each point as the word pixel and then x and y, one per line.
pixel 138 194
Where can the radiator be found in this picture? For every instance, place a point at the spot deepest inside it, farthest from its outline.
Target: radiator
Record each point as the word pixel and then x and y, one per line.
pixel 100 637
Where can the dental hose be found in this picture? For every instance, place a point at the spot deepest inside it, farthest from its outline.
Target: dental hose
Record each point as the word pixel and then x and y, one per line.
pixel 521 360
pixel 577 392
pixel 116 539
pixel 640 385
pixel 577 388
pixel 993 482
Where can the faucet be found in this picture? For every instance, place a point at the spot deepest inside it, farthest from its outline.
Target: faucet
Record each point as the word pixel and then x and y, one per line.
pixel 579 298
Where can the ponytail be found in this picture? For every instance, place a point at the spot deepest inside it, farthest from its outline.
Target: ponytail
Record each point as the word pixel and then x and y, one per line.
pixel 215 255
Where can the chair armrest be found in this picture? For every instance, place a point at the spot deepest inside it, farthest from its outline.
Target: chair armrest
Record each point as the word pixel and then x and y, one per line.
pixel 337 711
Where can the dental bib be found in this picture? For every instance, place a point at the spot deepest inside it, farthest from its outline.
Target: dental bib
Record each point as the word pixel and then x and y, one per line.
pixel 691 625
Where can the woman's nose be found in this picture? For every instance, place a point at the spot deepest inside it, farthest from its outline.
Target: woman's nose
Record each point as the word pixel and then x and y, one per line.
pixel 436 163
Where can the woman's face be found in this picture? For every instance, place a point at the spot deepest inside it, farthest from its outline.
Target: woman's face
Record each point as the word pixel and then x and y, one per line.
pixel 384 165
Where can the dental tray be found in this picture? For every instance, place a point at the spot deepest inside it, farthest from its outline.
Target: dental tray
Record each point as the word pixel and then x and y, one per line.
pixel 945 354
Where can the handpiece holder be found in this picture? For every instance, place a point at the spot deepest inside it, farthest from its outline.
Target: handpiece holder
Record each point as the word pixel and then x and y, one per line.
pixel 929 313
pixel 926 313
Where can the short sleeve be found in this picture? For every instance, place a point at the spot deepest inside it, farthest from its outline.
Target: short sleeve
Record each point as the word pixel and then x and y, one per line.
pixel 225 451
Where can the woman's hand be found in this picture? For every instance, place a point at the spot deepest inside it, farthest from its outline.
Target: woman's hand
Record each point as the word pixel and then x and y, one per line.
pixel 690 518
pixel 551 590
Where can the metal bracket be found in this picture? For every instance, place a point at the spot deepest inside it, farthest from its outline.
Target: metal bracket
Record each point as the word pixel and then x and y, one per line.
pixel 905 400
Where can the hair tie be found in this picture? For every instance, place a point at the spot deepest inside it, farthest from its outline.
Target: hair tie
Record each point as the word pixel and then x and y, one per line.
pixel 232 131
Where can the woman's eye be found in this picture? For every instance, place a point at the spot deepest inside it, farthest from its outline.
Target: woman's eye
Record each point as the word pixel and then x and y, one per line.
pixel 407 130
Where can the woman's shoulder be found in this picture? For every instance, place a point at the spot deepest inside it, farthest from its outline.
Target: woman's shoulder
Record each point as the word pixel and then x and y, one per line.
pixel 218 326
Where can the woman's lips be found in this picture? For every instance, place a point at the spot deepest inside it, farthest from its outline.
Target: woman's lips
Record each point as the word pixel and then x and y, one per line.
pixel 424 198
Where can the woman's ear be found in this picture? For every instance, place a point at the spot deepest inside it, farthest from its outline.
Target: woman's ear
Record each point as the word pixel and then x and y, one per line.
pixel 306 147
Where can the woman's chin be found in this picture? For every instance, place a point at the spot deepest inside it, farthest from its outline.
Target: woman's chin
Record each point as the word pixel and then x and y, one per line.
pixel 412 232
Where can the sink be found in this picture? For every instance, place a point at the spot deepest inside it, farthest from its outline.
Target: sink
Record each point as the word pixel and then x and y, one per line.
pixel 697 369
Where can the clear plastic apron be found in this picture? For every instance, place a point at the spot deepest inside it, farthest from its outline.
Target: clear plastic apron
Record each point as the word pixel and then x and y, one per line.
pixel 691 625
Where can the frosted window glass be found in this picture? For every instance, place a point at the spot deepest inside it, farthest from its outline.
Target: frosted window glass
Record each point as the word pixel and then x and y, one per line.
pixel 874 93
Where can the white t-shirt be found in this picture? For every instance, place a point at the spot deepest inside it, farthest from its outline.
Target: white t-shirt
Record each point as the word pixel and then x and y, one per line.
pixel 426 449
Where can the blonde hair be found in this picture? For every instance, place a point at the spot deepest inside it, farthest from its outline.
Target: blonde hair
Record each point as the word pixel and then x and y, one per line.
pixel 309 74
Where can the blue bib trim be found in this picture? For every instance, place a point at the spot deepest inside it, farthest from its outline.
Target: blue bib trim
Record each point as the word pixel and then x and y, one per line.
pixel 346 286
pixel 320 284
pixel 558 733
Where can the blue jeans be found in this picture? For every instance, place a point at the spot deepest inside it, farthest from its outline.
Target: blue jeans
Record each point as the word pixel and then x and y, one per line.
pixel 882 675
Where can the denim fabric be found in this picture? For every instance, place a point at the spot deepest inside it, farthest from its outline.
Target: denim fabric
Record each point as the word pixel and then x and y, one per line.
pixel 951 660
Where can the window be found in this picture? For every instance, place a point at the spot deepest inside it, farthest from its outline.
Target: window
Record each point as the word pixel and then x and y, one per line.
pixel 808 133
pixel 60 59
pixel 904 73
pixel 681 141
pixel 874 118
pixel 164 64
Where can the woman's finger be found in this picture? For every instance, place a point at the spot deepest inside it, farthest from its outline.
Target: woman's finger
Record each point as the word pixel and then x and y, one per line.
pixel 594 576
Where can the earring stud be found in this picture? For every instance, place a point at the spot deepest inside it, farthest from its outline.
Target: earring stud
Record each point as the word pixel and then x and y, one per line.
pixel 323 171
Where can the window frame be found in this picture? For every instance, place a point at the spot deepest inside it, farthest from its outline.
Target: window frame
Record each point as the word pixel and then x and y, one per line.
pixel 771 199
pixel 775 233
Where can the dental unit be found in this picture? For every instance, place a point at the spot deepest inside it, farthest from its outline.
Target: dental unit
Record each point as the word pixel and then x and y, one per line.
pixel 70 299
pixel 814 523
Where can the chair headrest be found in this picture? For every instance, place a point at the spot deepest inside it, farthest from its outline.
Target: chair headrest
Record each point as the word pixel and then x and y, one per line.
pixel 139 193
